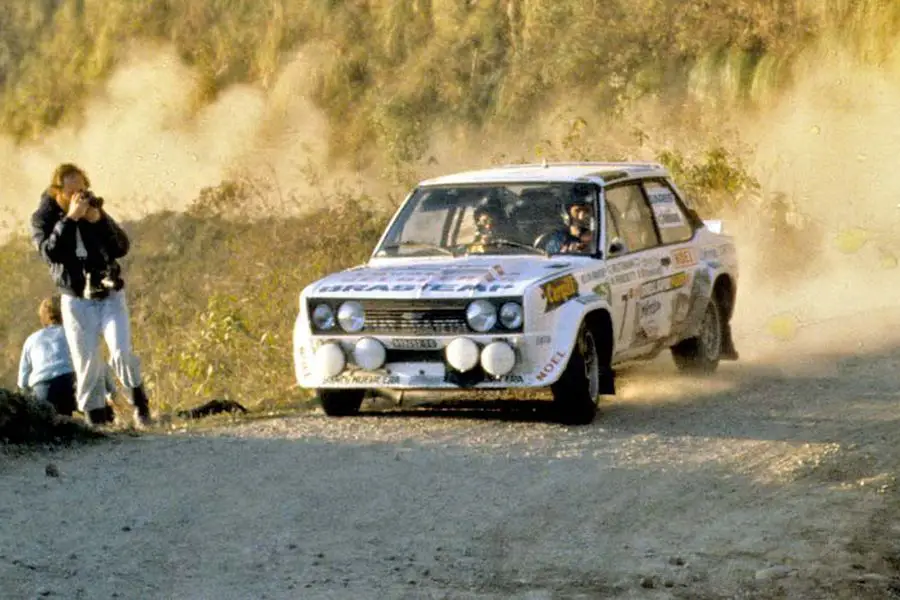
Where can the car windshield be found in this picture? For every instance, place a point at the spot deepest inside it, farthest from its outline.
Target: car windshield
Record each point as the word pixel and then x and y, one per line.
pixel 524 218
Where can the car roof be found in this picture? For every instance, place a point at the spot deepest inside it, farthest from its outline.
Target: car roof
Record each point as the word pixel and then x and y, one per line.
pixel 602 172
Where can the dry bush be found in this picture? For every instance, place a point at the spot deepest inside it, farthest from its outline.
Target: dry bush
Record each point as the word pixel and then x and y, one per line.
pixel 26 421
pixel 396 68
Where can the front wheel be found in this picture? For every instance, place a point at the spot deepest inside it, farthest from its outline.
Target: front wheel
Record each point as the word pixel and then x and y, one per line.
pixel 701 354
pixel 341 403
pixel 576 392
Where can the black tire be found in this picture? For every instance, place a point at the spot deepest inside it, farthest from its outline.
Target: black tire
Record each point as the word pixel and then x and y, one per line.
pixel 700 355
pixel 577 391
pixel 341 403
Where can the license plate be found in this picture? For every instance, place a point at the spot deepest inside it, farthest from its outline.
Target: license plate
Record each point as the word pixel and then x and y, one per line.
pixel 414 344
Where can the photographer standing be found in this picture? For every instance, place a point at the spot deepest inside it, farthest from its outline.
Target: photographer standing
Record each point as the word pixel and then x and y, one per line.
pixel 82 243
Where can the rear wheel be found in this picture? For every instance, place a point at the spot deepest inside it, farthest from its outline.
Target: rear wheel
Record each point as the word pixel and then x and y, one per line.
pixel 576 392
pixel 341 403
pixel 701 354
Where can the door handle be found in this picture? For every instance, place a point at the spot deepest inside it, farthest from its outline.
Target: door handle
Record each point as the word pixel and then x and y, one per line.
pixel 666 261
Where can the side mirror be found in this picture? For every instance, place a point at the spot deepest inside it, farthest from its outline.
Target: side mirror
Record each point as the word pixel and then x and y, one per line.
pixel 616 247
pixel 695 217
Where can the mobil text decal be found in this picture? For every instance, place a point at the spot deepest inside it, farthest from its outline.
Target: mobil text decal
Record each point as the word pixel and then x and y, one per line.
pixel 550 367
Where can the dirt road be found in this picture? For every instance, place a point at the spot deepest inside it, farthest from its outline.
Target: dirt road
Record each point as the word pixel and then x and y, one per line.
pixel 773 479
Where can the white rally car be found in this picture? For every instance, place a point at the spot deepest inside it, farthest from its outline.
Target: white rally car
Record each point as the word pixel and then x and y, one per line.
pixel 523 276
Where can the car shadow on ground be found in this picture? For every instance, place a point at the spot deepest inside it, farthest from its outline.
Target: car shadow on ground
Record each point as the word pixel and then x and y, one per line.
pixel 499 409
pixel 831 397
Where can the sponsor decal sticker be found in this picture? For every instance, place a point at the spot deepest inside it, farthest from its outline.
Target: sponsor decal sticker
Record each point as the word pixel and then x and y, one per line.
pixel 650 307
pixel 666 211
pixel 365 379
pixel 559 291
pixel 684 257
pixel 707 254
pixel 651 266
pixel 654 271
pixel 648 317
pixel 603 290
pixel 550 367
pixel 663 284
pixel 623 265
pixel 418 275
pixel 593 276
pixel 409 287
pixel 543 340
pixel 623 278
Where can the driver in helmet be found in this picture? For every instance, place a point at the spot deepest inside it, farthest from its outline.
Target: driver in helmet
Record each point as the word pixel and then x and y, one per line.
pixel 489 219
pixel 578 217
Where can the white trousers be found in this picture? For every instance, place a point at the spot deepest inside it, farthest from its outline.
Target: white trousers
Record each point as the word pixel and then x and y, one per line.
pixel 85 322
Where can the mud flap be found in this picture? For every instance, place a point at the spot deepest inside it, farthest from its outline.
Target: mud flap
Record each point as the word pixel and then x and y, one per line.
pixel 608 382
pixel 729 352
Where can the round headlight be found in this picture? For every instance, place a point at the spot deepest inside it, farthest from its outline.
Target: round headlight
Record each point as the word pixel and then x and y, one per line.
pixel 511 315
pixel 351 317
pixel 323 317
pixel 481 316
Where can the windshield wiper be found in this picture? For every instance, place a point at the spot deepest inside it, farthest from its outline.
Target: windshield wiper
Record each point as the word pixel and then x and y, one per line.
pixel 505 242
pixel 415 244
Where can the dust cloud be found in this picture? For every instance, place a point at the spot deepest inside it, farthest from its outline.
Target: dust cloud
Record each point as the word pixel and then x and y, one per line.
pixel 148 145
pixel 830 144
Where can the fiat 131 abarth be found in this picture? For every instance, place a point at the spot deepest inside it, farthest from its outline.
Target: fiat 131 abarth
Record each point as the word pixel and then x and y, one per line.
pixel 525 276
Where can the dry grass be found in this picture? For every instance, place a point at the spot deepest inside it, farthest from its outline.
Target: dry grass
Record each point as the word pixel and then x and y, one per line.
pixel 389 71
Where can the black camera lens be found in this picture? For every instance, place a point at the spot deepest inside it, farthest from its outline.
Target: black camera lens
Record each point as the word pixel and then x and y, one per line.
pixel 93 200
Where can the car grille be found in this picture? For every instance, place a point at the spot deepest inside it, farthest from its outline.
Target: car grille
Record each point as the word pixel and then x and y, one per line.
pixel 415 318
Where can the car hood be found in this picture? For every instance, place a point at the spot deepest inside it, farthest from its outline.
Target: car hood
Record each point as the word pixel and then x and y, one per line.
pixel 451 278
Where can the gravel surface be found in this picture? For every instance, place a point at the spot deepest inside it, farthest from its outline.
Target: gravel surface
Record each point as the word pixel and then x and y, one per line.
pixel 772 479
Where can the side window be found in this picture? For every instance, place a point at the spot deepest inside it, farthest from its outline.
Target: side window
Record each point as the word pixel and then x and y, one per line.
pixel 633 216
pixel 674 225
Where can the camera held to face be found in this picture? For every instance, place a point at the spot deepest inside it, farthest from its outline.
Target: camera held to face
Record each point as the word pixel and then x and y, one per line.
pixel 93 201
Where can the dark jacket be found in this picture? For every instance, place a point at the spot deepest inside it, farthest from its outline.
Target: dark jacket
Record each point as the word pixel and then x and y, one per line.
pixel 53 235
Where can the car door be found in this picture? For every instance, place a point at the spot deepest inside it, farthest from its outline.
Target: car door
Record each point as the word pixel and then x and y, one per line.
pixel 635 260
pixel 676 233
